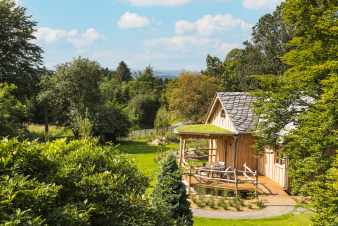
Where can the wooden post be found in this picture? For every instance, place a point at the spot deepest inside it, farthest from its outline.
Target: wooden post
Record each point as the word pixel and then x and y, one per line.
pixel 236 182
pixel 256 187
pixel 189 182
pixel 181 151
pixel 234 162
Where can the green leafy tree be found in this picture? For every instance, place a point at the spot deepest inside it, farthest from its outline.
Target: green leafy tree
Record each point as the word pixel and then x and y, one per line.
pixel 110 122
pixel 143 109
pixel 260 56
pixel 170 194
pixel 305 96
pixel 123 73
pixel 189 95
pixel 20 58
pixel 12 111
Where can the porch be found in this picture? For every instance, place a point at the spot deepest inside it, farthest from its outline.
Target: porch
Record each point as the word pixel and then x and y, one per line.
pixel 228 163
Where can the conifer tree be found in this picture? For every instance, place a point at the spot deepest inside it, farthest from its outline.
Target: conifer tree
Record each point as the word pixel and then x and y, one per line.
pixel 170 194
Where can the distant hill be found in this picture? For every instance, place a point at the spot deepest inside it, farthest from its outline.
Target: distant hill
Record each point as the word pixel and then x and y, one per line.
pixel 167 73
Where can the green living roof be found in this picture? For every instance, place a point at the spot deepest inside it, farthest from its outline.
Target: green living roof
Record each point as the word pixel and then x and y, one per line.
pixel 202 129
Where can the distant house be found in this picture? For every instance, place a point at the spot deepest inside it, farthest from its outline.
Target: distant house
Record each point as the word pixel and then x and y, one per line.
pixel 232 157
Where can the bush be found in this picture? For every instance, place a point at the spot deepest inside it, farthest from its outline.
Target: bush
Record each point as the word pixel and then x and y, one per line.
pixel 12 111
pixel 223 203
pixel 75 183
pixel 260 204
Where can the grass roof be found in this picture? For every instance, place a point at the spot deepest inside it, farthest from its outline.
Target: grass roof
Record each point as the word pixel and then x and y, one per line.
pixel 202 129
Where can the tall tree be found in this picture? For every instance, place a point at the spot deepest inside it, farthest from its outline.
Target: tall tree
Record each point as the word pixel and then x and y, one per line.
pixel 190 94
pixel 260 56
pixel 20 58
pixel 304 99
pixel 170 193
pixel 123 73
pixel 270 36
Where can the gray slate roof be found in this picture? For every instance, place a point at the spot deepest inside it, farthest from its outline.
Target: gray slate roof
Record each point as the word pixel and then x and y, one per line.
pixel 239 106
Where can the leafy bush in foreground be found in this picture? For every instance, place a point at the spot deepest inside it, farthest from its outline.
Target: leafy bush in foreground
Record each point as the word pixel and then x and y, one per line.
pixel 70 183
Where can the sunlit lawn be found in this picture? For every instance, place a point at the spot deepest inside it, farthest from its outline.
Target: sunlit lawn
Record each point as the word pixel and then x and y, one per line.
pixel 144 156
pixel 286 220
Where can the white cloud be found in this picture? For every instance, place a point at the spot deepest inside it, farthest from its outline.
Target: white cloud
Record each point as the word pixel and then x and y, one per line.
pixel 132 20
pixel 46 35
pixel 158 2
pixel 211 24
pixel 261 4
pixel 191 43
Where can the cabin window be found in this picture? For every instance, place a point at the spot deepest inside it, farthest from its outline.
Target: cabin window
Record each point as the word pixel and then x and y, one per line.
pixel 222 114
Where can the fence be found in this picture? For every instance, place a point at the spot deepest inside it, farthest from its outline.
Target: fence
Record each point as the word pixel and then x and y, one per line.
pixel 151 132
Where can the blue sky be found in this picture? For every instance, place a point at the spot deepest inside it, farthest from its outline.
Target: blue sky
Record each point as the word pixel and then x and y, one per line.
pixel 167 34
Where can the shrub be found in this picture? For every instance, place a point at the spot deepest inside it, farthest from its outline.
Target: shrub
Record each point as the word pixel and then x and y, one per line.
pixel 70 183
pixel 12 111
pixel 223 203
pixel 211 203
pixel 260 204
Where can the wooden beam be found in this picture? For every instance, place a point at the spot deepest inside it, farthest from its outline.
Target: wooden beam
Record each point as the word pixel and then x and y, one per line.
pixel 181 141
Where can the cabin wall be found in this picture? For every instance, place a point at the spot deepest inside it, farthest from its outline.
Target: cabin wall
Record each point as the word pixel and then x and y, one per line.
pixel 245 151
pixel 217 119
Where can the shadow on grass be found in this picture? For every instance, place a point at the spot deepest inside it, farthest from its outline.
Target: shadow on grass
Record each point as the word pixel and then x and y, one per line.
pixel 137 147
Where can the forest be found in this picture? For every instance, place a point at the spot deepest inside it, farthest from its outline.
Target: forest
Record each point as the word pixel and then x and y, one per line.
pixel 290 64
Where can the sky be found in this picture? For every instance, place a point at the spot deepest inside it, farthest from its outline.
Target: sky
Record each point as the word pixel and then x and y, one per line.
pixel 166 34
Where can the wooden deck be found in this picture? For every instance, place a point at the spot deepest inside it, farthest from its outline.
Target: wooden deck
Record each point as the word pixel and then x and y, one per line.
pixel 265 185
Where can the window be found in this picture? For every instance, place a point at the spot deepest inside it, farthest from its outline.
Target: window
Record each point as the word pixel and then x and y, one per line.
pixel 222 114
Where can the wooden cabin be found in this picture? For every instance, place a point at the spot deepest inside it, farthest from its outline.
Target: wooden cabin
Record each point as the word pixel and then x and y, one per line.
pixel 229 128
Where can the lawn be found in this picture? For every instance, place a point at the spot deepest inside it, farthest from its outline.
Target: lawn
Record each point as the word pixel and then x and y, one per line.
pixel 289 220
pixel 144 156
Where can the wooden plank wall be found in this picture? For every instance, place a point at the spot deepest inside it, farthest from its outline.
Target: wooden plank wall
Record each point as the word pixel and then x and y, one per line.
pixel 245 152
pixel 217 120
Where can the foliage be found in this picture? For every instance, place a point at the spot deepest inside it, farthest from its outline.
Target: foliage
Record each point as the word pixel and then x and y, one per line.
pixel 170 194
pixel 190 94
pixel 123 73
pixel 12 111
pixel 143 109
pixel 300 108
pixel 84 126
pixel 260 56
pixel 75 183
pixel 163 118
pixel 77 91
pixel 110 122
pixel 19 56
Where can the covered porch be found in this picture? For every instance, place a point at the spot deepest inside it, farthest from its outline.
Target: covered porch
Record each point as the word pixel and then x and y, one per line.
pixel 227 164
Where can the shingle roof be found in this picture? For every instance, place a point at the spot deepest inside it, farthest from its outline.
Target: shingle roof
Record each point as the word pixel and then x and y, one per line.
pixel 239 106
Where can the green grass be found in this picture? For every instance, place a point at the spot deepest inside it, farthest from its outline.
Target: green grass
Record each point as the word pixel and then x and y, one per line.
pixel 289 220
pixel 37 130
pixel 144 156
pixel 202 129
